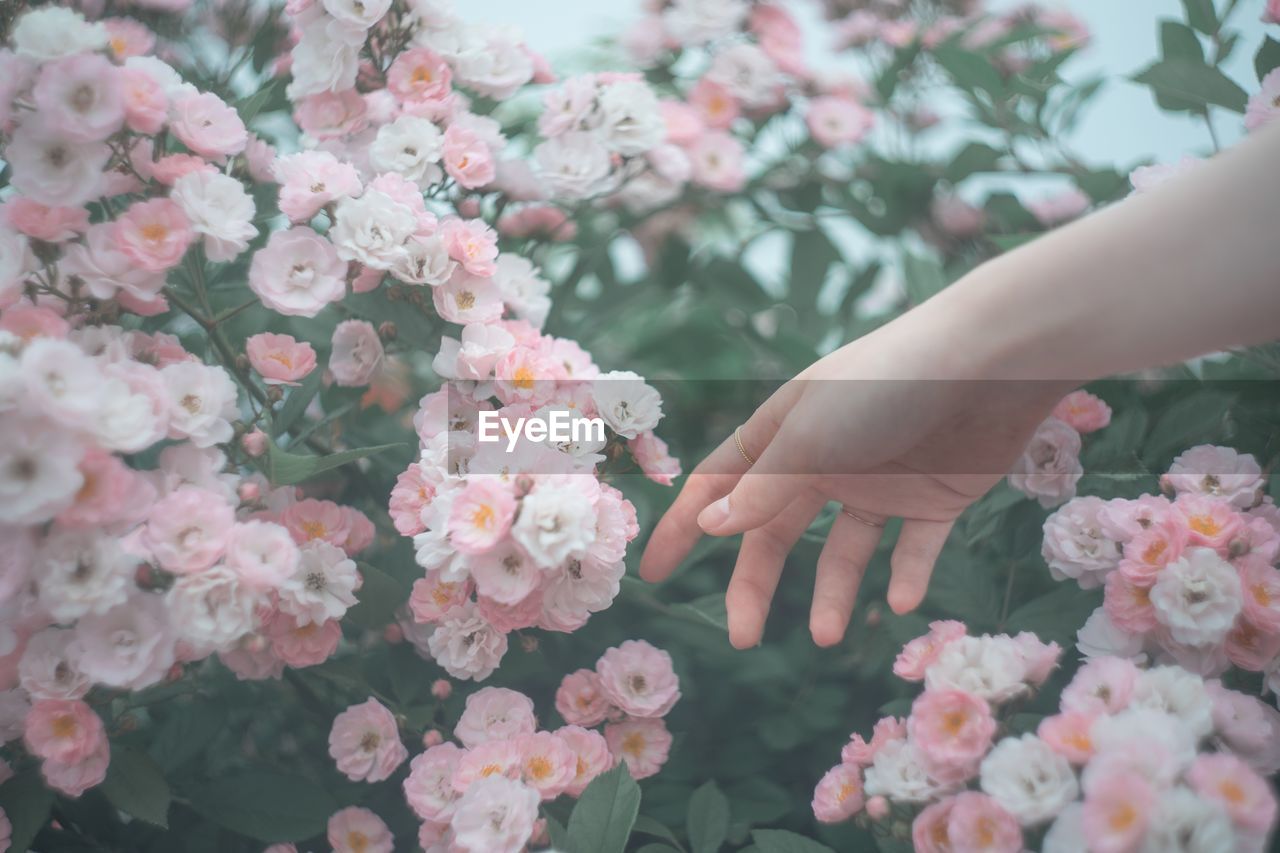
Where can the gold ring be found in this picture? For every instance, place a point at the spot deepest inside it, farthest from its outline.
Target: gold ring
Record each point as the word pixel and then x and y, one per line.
pixel 737 439
pixel 868 522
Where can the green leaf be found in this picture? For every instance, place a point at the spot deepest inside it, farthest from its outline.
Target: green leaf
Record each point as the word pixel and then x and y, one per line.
pixel 1056 616
pixel 27 803
pixel 1178 41
pixel 781 841
pixel 924 277
pixel 186 732
pixel 377 599
pixel 1267 58
pixel 757 800
pixel 296 403
pixel 249 107
pixel 1200 15
pixel 971 71
pixel 135 785
pixel 708 821
pixel 648 826
pixel 974 157
pixel 603 816
pixel 288 469
pixel 266 805
pixel 1190 85
pixel 707 610
pixel 1009 242
pixel 812 254
pixel 1194 419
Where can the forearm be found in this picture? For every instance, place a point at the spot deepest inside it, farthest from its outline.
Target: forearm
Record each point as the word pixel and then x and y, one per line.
pixel 1189 268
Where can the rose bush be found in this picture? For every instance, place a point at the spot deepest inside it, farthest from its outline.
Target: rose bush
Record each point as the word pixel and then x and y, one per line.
pixel 264 268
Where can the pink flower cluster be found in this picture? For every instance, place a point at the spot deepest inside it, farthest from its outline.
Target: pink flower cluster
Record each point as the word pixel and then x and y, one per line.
pixel 1189 576
pixel 1133 760
pixel 482 794
pixel 631 689
pixel 523 536
pixel 1049 469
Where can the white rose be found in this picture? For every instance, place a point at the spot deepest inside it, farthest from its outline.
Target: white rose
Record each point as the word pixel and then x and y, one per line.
pixel 1099 637
pixel 203 402
pixel 168 79
pixel 626 402
pixel 748 73
pixel 578 589
pixel 1049 468
pixel 897 773
pixel 322 586
pixel 1029 779
pixel 39 469
pixel 1152 743
pixel 1066 835
pixel 991 667
pixel 574 165
pixel 1219 472
pixel 53 32
pixel 50 666
pixel 497 69
pixel 523 290
pixel 130 646
pixel 1075 545
pixel 1185 821
pixel 556 522
pixel 466 645
pixel 700 21
pixel 82 571
pixel 362 14
pixel 212 609
pixel 631 121
pixel 372 229
pixel 220 209
pixel 325 59
pixel 1178 693
pixel 1198 597
pixel 411 147
pixel 425 260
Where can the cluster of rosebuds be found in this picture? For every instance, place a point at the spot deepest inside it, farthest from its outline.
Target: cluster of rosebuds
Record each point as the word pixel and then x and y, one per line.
pixel 1134 759
pixel 482 794
pixel 1189 576
pixel 130 546
pixel 518 533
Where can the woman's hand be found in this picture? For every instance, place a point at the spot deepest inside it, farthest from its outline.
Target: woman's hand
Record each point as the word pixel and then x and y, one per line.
pixel 920 449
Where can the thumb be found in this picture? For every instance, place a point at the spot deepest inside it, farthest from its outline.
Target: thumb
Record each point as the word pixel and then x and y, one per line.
pixel 769 487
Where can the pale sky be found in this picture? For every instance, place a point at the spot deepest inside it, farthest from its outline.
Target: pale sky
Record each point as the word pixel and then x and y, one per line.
pixel 1123 126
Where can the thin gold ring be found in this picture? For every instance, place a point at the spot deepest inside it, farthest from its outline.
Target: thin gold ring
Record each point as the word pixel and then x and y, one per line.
pixel 737 439
pixel 868 522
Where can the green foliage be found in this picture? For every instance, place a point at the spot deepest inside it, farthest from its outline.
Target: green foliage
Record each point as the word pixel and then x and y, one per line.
pixel 605 813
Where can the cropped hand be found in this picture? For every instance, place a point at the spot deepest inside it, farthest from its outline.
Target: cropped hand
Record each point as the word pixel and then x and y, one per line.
pixel 911 447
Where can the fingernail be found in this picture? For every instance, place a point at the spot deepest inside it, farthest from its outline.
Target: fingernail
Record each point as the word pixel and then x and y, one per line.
pixel 714 515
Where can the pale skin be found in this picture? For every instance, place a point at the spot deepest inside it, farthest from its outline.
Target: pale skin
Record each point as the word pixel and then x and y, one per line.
pixel 1189 268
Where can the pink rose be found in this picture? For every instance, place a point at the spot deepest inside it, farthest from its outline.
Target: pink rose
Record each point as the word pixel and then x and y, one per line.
pixel 66 731
pixel 717 161
pixel 330 115
pixel 655 461
pixel 836 121
pixel 642 744
pixel 154 234
pixel 356 353
pixel 1083 412
pixel 481 516
pixel 1068 204
pixel 207 126
pixel 1068 735
pixel 471 243
pixel 73 779
pixel 716 105
pixel 580 699
pixel 309 180
pixel 187 529
pixel 838 795
pixel 357 830
pixel 365 742
pixel 50 224
pixel 639 679
pixel 297 273
pixel 591 752
pixel 280 359
pixel 467 158
pixel 303 645
pixel 80 97
pixel 495 714
pixel 1117 808
pixel 1261 109
pixel 418 75
pixel 918 654
pixel 1049 468
pixel 978 822
pixel 146 108
pixel 547 764
pixel 952 730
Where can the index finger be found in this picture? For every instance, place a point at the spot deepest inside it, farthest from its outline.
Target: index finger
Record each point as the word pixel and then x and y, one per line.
pixel 677 531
